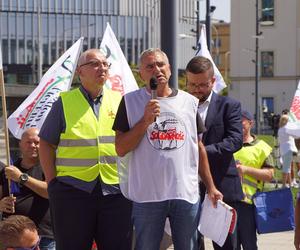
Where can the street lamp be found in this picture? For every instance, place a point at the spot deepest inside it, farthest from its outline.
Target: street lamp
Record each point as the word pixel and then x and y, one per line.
pixel 257 34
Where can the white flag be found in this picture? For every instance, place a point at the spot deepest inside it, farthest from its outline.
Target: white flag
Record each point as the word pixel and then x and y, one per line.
pixel 0 58
pixel 120 75
pixel 34 110
pixel 293 125
pixel 203 51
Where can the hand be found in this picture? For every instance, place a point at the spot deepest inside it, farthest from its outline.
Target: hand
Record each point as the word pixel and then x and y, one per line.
pixel 13 173
pixel 241 169
pixel 7 204
pixel 152 110
pixel 214 195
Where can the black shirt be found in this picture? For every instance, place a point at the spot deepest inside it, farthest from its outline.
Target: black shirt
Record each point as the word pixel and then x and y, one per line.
pixel 29 203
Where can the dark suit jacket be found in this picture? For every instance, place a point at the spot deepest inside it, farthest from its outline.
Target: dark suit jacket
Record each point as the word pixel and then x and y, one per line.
pixel 223 137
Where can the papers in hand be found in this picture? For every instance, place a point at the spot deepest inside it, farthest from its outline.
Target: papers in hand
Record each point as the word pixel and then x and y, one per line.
pixel 216 223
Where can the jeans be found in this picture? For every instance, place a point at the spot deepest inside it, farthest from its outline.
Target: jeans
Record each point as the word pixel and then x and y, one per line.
pixel 149 221
pixel 47 244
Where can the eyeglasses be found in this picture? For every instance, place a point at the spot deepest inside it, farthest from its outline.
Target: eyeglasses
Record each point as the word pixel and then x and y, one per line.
pixel 199 85
pixel 35 247
pixel 96 64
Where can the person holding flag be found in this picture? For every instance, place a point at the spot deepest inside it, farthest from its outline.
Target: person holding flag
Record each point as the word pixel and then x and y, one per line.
pixel 80 163
pixel 31 197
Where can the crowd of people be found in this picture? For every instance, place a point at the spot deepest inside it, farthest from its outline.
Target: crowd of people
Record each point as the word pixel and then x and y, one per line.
pixel 104 164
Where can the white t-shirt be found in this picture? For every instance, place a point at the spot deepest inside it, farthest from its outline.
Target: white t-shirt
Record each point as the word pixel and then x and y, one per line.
pixel 164 165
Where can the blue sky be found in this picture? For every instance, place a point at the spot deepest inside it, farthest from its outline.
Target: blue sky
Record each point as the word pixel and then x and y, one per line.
pixel 222 11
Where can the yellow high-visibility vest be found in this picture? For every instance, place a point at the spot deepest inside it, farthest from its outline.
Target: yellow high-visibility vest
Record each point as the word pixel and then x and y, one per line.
pixel 252 156
pixel 87 148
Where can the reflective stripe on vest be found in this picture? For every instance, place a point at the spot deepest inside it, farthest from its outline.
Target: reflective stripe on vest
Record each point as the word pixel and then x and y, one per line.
pixel 85 162
pixel 86 142
pixel 86 149
pixel 252 156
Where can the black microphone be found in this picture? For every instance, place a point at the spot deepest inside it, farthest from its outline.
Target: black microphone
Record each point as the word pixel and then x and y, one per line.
pixel 153 87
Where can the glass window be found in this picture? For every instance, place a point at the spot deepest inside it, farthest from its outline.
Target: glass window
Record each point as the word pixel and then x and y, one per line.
pixel 29 52
pixel 267 63
pixel 267 12
pixel 28 26
pixel 21 51
pixel 20 23
pixel 13 50
pixel 4 51
pixel 3 19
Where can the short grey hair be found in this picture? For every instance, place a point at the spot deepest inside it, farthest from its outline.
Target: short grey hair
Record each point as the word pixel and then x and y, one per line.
pixel 152 51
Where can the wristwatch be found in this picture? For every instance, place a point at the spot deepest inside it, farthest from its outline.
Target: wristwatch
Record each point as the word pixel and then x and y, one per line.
pixel 23 178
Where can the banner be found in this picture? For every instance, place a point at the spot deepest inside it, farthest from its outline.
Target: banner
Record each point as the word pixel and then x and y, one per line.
pixel 293 125
pixel 203 51
pixel 34 110
pixel 121 78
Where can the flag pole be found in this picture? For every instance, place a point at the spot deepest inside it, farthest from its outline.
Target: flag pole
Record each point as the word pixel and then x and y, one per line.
pixel 5 122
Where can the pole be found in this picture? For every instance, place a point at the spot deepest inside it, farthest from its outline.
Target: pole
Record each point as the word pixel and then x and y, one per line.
pixel 169 23
pixel 257 126
pixel 5 119
pixel 208 23
pixel 198 25
pixel 40 59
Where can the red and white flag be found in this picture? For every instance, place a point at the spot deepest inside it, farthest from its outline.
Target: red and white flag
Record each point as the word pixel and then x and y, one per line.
pixel 34 110
pixel 203 51
pixel 120 75
pixel 293 125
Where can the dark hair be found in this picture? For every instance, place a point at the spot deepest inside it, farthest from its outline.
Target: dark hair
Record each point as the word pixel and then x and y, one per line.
pixel 12 228
pixel 200 64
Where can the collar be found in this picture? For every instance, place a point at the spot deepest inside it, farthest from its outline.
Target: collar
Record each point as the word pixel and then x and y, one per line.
pixel 89 98
pixel 255 140
pixel 208 100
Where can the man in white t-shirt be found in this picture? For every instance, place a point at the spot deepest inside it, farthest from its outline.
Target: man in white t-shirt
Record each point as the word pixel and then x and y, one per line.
pixel 158 140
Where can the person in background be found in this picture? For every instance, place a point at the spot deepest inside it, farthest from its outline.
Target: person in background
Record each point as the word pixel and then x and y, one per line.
pixel 158 138
pixel 223 136
pixel 255 166
pixel 79 160
pixel 18 232
pixel 32 198
pixel 287 148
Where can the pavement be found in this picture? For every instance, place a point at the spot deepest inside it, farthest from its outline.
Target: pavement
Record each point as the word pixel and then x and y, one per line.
pixel 272 241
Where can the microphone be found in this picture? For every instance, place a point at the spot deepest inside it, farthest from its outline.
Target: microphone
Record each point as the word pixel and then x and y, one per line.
pixel 153 87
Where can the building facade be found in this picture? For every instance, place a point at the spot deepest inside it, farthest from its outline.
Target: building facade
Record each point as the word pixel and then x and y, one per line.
pixel 220 47
pixel 278 54
pixel 34 33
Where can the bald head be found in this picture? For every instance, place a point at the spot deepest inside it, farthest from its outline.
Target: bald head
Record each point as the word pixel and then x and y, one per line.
pixel 29 144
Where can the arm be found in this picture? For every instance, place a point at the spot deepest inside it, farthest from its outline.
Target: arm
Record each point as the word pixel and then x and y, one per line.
pixel 297 223
pixel 232 135
pixel 128 141
pixel 204 172
pixel 37 186
pixel 265 174
pixel 47 159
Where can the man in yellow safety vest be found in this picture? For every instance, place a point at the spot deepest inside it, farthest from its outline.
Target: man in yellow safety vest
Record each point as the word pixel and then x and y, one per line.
pixel 255 166
pixel 78 156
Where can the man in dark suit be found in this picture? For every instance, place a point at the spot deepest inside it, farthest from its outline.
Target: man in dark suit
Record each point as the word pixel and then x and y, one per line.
pixel 223 136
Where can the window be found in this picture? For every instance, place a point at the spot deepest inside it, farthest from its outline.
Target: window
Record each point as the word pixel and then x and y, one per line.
pixel 267 12
pixel 267 63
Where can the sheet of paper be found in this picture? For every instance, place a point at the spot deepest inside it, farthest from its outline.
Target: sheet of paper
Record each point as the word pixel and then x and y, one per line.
pixel 215 222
